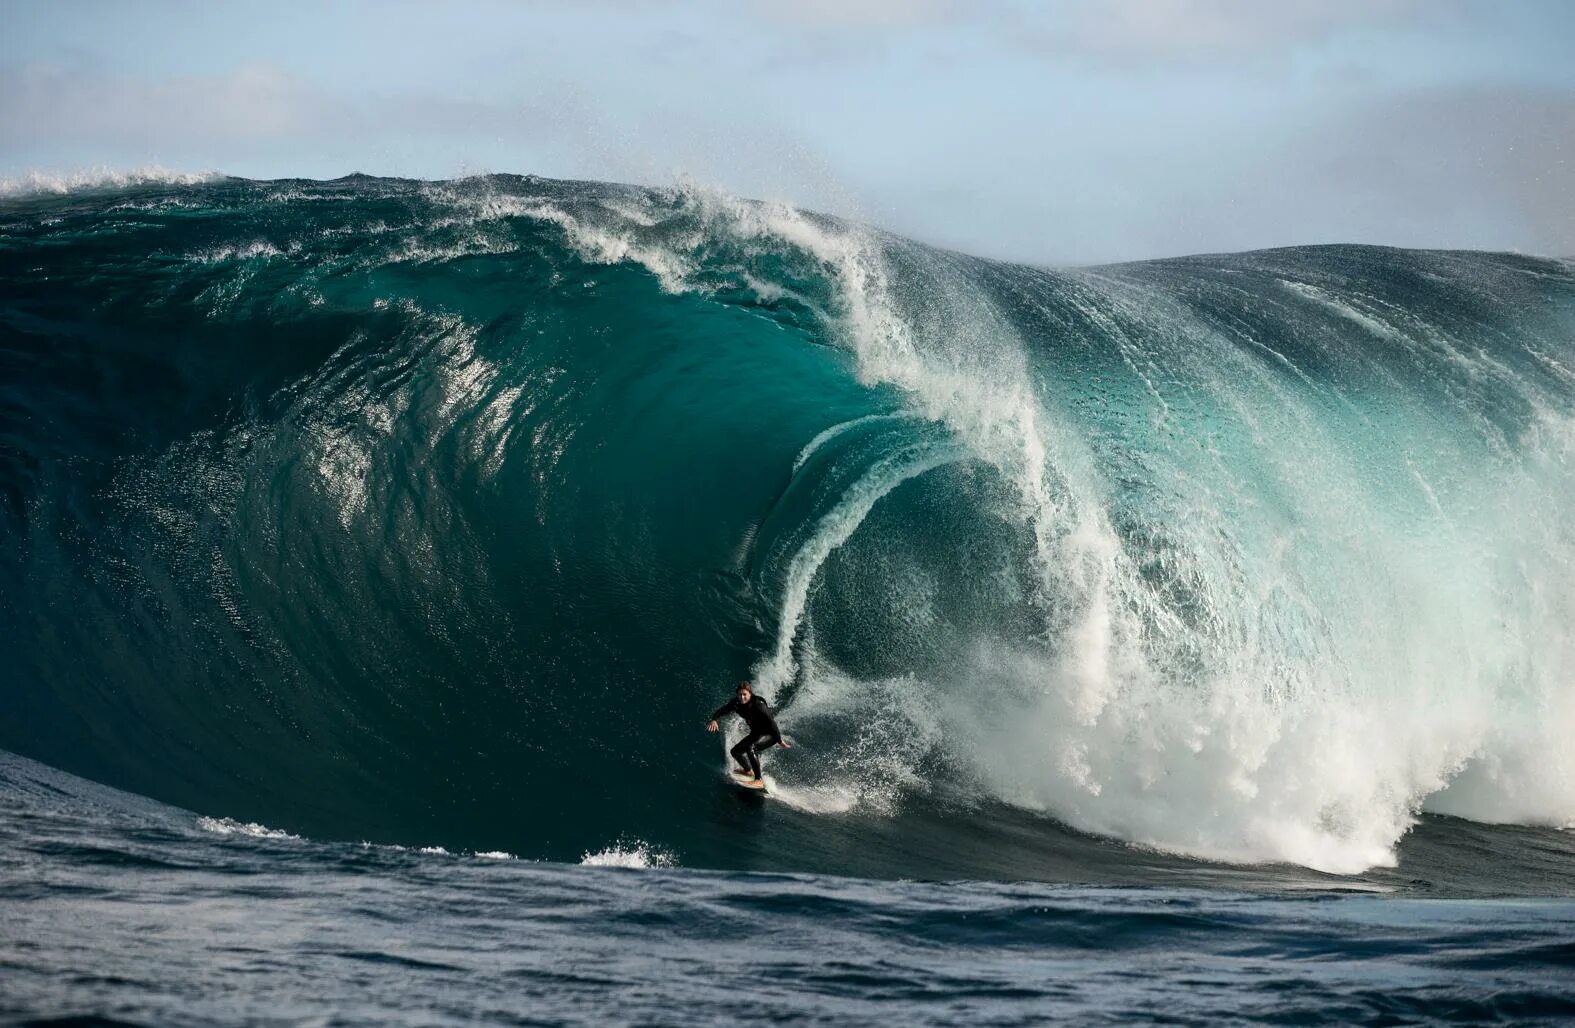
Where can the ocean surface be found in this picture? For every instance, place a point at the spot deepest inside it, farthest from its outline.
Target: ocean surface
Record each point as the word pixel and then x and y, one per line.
pixel 1187 640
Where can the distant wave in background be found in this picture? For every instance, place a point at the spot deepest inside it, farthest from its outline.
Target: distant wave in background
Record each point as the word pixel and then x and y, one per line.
pixel 444 512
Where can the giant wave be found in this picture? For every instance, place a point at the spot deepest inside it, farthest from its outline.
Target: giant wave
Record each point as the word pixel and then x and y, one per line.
pixel 443 512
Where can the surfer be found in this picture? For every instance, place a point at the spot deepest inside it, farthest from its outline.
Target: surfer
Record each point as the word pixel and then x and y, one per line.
pixel 763 730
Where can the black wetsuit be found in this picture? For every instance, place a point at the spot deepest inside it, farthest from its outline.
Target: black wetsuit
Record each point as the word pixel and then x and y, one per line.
pixel 763 730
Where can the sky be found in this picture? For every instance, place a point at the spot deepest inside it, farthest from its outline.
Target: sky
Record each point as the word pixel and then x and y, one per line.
pixel 1055 132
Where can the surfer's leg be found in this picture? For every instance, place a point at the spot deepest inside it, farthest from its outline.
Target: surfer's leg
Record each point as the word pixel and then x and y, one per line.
pixel 756 744
pixel 745 753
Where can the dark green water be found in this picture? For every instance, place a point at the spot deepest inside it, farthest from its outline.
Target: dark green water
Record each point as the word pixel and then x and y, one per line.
pixel 441 514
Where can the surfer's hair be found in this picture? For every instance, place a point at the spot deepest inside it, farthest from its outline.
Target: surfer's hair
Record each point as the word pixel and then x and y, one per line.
pixel 743 685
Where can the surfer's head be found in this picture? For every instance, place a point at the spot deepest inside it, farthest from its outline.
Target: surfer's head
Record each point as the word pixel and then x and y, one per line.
pixel 745 692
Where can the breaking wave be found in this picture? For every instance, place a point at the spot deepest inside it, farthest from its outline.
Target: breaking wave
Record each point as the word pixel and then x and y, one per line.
pixel 397 510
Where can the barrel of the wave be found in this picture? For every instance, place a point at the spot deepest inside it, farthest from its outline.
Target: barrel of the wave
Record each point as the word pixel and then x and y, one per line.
pixel 425 494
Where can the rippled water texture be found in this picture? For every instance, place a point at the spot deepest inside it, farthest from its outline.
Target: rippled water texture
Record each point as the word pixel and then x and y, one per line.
pixel 123 909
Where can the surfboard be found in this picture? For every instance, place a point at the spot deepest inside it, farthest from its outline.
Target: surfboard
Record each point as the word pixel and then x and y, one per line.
pixel 748 784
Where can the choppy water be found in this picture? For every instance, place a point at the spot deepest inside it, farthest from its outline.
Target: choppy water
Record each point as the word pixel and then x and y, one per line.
pixel 120 908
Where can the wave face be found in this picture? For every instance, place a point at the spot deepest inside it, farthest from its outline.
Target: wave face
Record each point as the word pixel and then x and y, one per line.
pixel 445 512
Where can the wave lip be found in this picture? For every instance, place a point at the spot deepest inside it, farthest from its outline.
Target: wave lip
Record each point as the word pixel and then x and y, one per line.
pixel 35 183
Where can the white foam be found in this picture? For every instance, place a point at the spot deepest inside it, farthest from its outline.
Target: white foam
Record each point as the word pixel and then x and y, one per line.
pixel 869 771
pixel 59 183
pixel 631 855
pixel 251 829
pixel 236 252
pixel 827 435
pixel 437 851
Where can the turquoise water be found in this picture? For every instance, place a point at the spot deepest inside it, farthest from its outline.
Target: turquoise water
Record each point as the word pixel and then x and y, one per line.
pixel 441 514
